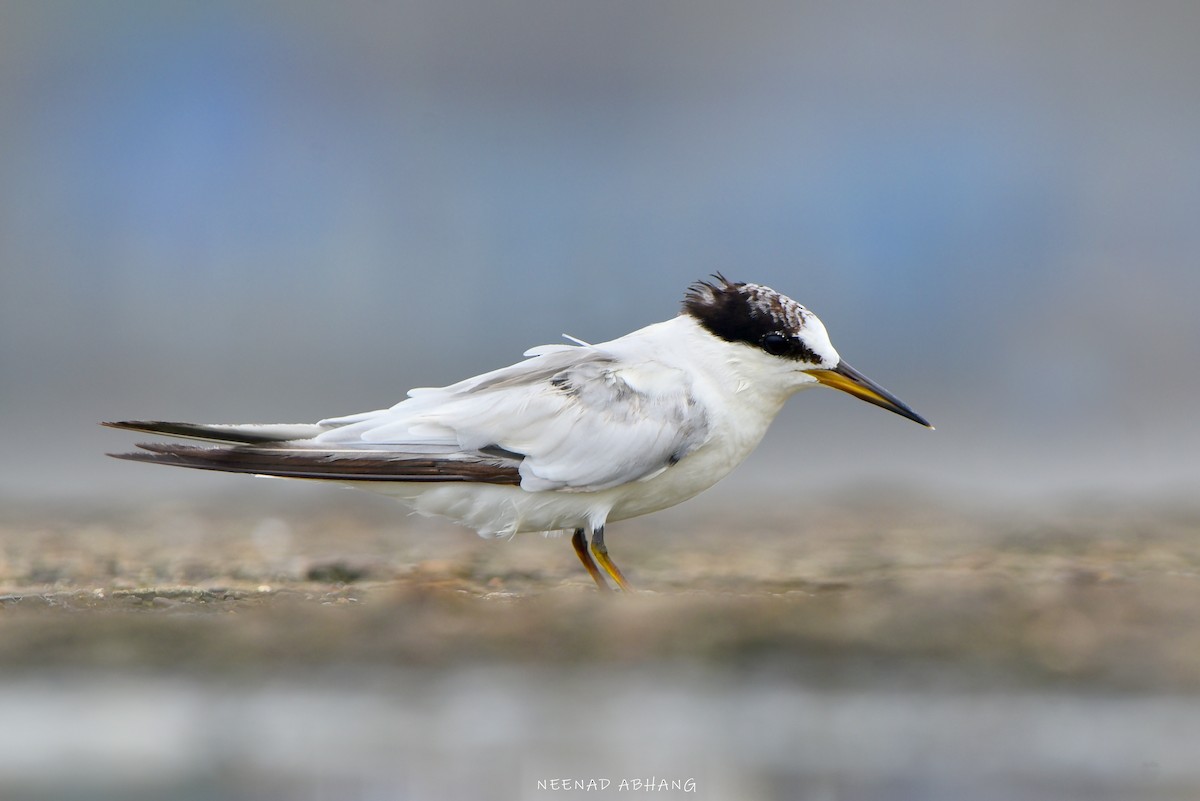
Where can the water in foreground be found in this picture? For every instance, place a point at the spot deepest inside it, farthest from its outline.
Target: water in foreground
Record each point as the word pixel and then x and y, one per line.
pixel 883 650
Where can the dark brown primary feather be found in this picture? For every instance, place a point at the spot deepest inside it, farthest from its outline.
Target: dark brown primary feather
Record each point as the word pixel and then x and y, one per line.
pixel 243 435
pixel 349 465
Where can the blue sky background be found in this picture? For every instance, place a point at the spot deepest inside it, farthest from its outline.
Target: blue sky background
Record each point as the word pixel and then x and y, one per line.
pixel 252 211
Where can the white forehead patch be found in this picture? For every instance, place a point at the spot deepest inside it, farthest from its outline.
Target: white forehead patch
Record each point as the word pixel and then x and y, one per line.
pixel 817 339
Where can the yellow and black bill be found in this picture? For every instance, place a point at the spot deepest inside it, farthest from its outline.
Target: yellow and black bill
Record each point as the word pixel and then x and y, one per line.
pixel 847 379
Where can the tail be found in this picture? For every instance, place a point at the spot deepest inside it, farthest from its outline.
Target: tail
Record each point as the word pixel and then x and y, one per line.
pixel 242 434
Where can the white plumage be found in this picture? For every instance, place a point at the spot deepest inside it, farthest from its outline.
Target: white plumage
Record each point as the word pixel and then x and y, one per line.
pixel 572 437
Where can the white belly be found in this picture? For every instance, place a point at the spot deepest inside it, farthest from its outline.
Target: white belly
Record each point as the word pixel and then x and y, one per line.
pixel 501 510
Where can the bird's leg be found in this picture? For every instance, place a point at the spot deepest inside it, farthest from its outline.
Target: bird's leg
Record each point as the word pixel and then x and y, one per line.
pixel 611 569
pixel 579 540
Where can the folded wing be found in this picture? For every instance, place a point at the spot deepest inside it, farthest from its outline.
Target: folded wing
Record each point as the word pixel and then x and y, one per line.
pixel 570 418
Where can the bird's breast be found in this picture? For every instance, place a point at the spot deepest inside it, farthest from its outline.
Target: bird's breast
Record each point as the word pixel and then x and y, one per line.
pixel 731 440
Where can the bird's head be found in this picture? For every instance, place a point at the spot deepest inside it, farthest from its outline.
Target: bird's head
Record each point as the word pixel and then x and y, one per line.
pixel 783 339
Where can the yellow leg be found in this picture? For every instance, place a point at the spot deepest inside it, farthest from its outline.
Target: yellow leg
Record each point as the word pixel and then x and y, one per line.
pixel 611 569
pixel 579 540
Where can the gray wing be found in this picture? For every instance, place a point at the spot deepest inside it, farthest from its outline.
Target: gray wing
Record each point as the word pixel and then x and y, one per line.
pixel 579 418
pixel 568 418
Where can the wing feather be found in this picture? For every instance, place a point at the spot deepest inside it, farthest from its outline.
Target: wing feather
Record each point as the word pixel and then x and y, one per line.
pixel 344 465
pixel 245 434
pixel 582 418
pixel 571 417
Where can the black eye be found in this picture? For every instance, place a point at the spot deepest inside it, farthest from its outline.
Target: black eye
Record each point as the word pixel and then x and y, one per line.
pixel 776 344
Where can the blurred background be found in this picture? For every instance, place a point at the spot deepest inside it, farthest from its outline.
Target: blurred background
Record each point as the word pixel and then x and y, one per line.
pixel 264 211
pixel 261 211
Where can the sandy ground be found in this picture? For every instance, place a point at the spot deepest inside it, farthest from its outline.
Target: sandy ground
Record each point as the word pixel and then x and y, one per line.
pixel 874 593
pixel 1093 592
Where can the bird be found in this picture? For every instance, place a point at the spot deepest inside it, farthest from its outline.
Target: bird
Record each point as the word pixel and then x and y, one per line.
pixel 574 437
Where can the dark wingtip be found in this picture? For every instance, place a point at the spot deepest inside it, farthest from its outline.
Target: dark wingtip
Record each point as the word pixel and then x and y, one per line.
pixel 201 431
pixel 132 456
pixel 134 425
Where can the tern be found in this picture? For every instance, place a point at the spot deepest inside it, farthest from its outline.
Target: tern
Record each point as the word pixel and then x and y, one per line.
pixel 570 439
